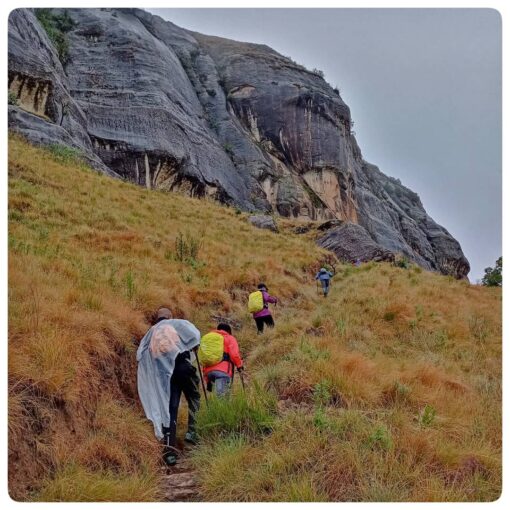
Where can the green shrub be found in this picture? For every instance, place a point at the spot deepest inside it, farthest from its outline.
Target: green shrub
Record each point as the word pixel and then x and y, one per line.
pixel 389 316
pixel 65 154
pixel 401 391
pixel 228 148
pixel 12 99
pixel 380 438
pixel 494 276
pixel 427 416
pixel 320 419
pixel 247 413
pixel 322 393
pixel 56 27
pixel 187 248
pixel 402 262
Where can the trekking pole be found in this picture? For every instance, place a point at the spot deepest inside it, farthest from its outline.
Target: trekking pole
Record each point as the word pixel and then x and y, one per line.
pixel 241 376
pixel 201 379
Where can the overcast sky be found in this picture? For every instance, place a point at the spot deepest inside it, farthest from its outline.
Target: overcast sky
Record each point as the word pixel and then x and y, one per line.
pixel 424 88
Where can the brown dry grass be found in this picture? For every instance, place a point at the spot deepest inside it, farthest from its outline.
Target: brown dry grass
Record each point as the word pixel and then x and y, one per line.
pixel 397 393
pixel 90 259
pixel 391 386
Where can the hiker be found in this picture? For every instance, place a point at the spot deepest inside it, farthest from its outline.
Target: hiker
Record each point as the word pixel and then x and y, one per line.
pixel 324 276
pixel 164 373
pixel 258 305
pixel 219 353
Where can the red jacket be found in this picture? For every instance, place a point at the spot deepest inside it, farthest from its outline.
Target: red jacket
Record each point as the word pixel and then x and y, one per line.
pixel 231 348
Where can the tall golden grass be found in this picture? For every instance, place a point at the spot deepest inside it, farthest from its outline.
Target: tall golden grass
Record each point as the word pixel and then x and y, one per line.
pixel 90 259
pixel 388 390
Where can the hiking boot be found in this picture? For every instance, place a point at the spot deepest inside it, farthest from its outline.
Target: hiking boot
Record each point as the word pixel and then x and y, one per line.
pixel 170 459
pixel 191 437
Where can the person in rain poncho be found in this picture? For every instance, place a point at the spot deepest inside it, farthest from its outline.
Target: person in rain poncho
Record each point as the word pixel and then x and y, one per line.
pixel 164 373
pixel 324 276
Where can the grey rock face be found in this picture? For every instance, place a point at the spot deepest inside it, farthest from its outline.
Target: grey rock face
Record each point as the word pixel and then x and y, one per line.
pixel 351 242
pixel 261 221
pixel 171 109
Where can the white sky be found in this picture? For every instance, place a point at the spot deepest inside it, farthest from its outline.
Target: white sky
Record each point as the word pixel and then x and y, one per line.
pixel 424 88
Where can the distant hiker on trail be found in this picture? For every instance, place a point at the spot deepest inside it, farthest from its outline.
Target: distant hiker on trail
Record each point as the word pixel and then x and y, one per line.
pixel 324 276
pixel 258 305
pixel 219 353
pixel 164 372
pixel 357 262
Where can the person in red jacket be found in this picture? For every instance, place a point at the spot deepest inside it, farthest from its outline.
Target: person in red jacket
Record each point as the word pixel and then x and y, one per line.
pixel 222 373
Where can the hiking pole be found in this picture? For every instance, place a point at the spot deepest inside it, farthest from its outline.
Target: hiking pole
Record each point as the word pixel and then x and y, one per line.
pixel 201 378
pixel 241 376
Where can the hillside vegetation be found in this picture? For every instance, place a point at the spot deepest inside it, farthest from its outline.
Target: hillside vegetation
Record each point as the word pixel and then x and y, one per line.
pixel 390 389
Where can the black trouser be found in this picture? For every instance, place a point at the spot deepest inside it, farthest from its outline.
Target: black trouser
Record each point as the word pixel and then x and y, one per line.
pixel 260 321
pixel 325 286
pixel 184 381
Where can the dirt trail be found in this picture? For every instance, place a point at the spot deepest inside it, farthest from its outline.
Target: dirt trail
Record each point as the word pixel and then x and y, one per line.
pixel 179 482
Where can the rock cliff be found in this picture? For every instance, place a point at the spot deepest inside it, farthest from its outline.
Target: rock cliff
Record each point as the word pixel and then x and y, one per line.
pixel 167 108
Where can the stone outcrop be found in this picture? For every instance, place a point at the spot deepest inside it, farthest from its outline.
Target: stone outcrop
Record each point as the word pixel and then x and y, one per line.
pixel 351 242
pixel 262 221
pixel 176 110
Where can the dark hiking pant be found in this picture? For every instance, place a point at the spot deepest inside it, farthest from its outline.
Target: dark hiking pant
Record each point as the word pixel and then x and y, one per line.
pixel 260 321
pixel 184 381
pixel 325 286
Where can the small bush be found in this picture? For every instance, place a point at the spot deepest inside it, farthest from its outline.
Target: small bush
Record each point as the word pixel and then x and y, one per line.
pixel 494 276
pixel 427 416
pixel 402 262
pixel 12 99
pixel 56 27
pixel 401 391
pixel 380 439
pixel 228 148
pixel 389 316
pixel 187 248
pixel 320 420
pixel 64 154
pixel 322 393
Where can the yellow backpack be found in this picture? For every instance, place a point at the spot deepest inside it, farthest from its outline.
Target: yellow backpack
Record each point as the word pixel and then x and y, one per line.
pixel 211 349
pixel 255 302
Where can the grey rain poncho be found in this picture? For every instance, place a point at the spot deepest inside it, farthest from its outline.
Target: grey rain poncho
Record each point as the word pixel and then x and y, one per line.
pixel 156 360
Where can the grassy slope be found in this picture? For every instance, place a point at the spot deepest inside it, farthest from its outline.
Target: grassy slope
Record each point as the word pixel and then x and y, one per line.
pixel 390 389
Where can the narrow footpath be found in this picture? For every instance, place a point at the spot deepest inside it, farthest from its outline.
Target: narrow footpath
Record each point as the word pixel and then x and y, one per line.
pixel 179 482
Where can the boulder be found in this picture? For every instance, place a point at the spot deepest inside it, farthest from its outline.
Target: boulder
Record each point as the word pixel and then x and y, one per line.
pixel 265 222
